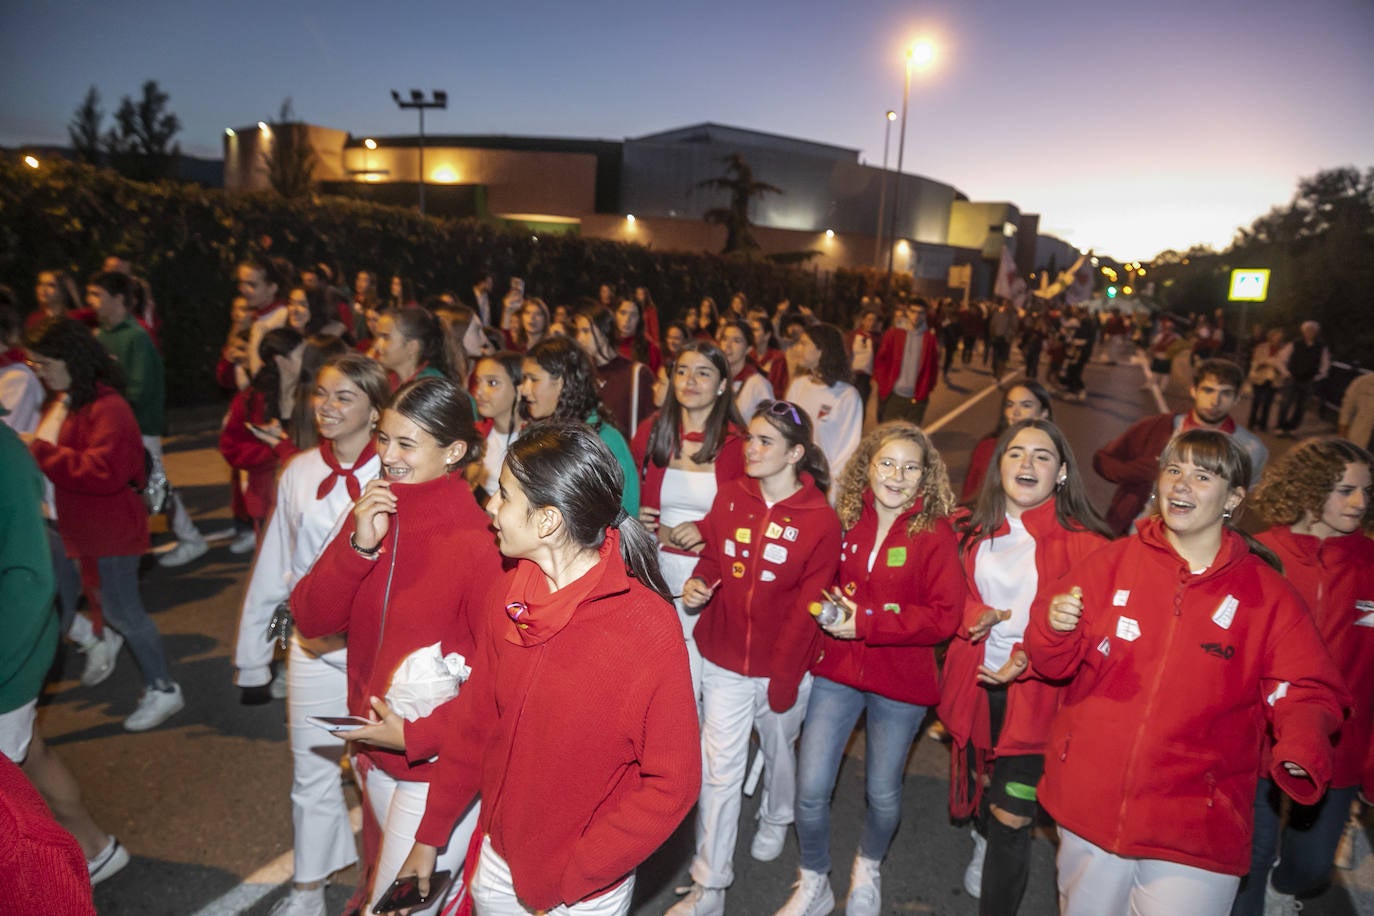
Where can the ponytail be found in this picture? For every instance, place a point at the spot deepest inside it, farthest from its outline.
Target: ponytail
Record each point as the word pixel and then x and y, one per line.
pixel 639 550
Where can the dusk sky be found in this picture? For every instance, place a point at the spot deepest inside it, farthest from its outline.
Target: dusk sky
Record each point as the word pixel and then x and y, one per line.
pixel 1130 127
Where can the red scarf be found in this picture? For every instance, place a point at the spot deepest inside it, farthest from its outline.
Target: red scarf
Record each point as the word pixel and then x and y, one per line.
pixel 1227 426
pixel 336 471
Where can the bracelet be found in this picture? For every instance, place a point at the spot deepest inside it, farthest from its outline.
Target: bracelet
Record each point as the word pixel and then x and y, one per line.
pixel 369 553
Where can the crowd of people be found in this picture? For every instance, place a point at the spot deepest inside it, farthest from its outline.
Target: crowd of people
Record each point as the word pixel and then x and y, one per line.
pixel 677 533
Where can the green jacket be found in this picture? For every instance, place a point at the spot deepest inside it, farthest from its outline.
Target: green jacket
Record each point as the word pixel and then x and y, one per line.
pixel 28 618
pixel 144 387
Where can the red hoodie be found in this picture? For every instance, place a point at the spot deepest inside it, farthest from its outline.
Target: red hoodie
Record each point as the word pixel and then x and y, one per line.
pixel 910 600
pixel 772 562
pixel 1335 576
pixel 1155 752
pixel 438 569
pixel 579 728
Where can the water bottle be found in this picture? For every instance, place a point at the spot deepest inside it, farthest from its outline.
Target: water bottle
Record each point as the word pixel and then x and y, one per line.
pixel 828 613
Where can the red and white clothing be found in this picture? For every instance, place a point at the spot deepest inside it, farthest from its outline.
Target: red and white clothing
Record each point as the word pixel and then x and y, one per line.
pixel 910 596
pixel 888 365
pixel 1335 576
pixel 246 453
pixel 750 388
pixel 837 417
pixel 268 318
pixel 1173 677
pixel 594 675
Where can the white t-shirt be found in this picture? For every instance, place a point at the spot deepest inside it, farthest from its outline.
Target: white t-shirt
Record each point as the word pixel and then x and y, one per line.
pixel 1004 571
pixel 837 416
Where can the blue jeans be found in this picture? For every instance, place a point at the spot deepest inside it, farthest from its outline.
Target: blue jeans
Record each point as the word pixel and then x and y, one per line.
pixel 1309 845
pixel 121 604
pixel 830 718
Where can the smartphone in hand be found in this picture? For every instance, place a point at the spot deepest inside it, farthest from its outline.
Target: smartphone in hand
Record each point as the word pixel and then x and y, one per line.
pixel 405 892
pixel 338 723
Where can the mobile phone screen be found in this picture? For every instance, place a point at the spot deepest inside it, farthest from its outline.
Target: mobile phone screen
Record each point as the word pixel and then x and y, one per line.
pixel 338 723
pixel 405 892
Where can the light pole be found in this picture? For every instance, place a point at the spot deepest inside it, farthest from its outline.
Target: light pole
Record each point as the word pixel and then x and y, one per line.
pixel 420 103
pixel 918 55
pixel 882 190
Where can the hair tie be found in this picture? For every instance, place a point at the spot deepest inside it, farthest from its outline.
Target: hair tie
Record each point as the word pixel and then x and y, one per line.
pixel 620 517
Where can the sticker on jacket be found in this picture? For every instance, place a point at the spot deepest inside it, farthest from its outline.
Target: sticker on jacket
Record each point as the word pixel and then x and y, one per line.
pixel 775 553
pixel 774 531
pixel 789 533
pixel 1279 693
pixel 729 547
pixel 1121 597
pixel 1225 612
pixel 743 535
pixel 767 576
pixel 896 556
pixel 737 570
pixel 1105 646
pixel 1127 629
pixel 1365 610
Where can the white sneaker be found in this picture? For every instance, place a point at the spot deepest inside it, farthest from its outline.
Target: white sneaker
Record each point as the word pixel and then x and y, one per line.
pixel 155 707
pixel 184 552
pixel 243 543
pixel 108 862
pixel 865 888
pixel 301 903
pixel 812 896
pixel 768 841
pixel 101 655
pixel 1278 904
pixel 973 874
pixel 699 901
pixel 278 686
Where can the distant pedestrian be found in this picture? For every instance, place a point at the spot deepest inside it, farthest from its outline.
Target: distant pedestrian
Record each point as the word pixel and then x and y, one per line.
pixel 1268 371
pixel 907 367
pixel 1308 361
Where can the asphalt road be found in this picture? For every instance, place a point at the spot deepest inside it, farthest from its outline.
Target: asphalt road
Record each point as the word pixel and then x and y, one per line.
pixel 202 802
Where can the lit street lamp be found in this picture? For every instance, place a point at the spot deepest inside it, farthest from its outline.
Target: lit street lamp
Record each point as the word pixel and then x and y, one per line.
pixel 919 55
pixel 882 189
pixel 420 103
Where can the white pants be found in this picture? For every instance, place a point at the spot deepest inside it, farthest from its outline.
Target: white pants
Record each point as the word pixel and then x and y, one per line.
pixel 16 731
pixel 676 569
pixel 733 705
pixel 493 892
pixel 317 686
pixel 399 806
pixel 1094 882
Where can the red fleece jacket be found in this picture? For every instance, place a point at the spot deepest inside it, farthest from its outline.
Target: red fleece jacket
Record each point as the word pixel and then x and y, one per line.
pixel 438 569
pixel 772 562
pixel 887 363
pixel 1335 576
pixel 93 467
pixel 245 452
pixel 910 600
pixel 580 729
pixel 1155 751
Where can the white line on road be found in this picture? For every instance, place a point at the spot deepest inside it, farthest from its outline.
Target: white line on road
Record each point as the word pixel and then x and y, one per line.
pixel 970 402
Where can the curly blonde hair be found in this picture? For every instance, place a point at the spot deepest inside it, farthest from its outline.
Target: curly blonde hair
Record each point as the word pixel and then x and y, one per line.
pixel 936 495
pixel 1301 481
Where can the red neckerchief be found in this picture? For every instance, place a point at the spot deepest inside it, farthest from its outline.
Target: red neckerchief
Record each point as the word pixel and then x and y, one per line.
pixel 269 308
pixel 1228 426
pixel 336 471
pixel 10 357
pixel 744 373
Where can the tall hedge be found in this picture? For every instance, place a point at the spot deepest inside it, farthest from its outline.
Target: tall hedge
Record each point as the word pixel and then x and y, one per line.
pixel 186 239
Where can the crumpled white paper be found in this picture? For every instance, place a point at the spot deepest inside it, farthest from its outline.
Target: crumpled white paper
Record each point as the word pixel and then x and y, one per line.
pixel 424 679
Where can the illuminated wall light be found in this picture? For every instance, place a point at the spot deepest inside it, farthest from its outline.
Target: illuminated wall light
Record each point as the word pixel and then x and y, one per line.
pixel 444 175
pixel 229 132
pixel 830 233
pixel 262 127
pixel 370 143
pixel 903 247
pixel 31 162
pixel 630 218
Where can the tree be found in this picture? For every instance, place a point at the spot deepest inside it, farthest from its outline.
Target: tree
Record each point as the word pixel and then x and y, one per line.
pixel 739 181
pixel 84 129
pixel 140 145
pixel 290 160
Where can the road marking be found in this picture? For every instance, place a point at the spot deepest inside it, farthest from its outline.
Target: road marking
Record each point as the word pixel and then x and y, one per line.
pixel 970 402
pixel 264 881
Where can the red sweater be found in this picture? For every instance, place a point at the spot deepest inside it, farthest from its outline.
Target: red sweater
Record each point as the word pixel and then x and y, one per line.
pixel 580 730
pixel 1155 751
pixel 887 363
pixel 771 563
pixel 1335 576
pixel 97 461
pixel 908 602
pixel 246 452
pixel 1131 461
pixel 438 568
pixel 41 866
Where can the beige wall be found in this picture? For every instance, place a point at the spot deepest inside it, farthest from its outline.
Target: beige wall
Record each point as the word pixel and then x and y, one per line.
pixel 245 165
pixel 979 225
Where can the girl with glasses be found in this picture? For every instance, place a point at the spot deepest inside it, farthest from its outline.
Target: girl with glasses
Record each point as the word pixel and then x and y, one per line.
pixel 1031 523
pixel 771 543
pixel 901 593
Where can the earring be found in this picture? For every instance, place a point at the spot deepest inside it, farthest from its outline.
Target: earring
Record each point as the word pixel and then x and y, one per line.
pixel 1059 484
pixel 1226 515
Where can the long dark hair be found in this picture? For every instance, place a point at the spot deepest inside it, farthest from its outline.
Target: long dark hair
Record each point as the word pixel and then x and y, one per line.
pixel 266 382
pixel 563 359
pixel 418 323
pixel 88 362
pixel 320 312
pixel 319 349
pixel 565 465
pixel 512 363
pixel 603 323
pixel 639 345
pixel 795 426
pixel 443 410
pixel 1037 390
pixel 665 439
pixel 834 365
pixel 1071 505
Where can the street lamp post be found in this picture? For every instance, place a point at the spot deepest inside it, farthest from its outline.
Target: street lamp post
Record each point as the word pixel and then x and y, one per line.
pixel 919 55
pixel 882 190
pixel 420 103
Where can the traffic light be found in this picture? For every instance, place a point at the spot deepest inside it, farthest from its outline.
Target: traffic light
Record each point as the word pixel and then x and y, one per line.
pixel 1111 292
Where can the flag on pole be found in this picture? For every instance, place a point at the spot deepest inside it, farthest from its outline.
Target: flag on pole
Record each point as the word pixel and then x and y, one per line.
pixel 1010 284
pixel 1078 280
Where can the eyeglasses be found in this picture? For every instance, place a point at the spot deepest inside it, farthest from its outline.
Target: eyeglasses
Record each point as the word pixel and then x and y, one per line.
pixel 783 409
pixel 887 469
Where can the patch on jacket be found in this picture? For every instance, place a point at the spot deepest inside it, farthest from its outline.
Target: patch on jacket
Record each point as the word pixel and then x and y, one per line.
pixel 774 531
pixel 1225 612
pixel 1121 597
pixel 1127 629
pixel 896 556
pixel 1217 649
pixel 1366 611
pixel 1105 646
pixel 775 553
